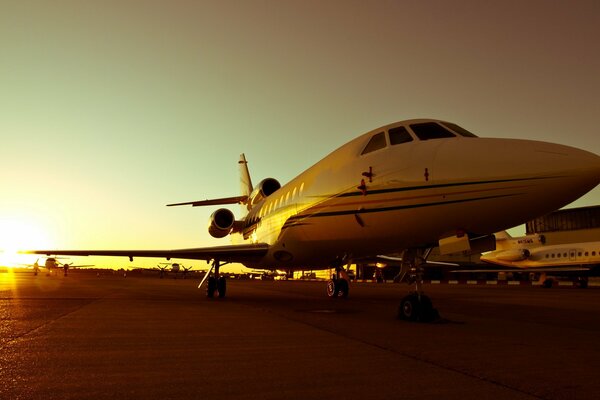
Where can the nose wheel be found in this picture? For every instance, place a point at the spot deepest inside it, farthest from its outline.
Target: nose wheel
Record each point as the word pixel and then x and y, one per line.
pixel 338 285
pixel 416 306
pixel 337 288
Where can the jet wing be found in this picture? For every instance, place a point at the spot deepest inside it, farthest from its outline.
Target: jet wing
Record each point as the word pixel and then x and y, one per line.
pixel 244 253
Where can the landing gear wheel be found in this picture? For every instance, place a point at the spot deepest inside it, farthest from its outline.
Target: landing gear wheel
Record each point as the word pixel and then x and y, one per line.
pixel 547 284
pixel 343 287
pixel 211 287
pixel 337 288
pixel 331 288
pixel 417 308
pixel 222 286
pixel 410 308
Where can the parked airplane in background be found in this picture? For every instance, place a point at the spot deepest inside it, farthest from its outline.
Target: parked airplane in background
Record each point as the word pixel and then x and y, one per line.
pixel 410 186
pixel 175 268
pixel 52 265
pixel 531 254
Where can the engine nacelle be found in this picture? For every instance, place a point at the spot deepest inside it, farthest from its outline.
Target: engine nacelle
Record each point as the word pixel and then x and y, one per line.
pixel 221 223
pixel 264 189
pixel 513 255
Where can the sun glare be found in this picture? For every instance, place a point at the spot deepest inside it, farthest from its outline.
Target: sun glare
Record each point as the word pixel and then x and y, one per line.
pixel 19 234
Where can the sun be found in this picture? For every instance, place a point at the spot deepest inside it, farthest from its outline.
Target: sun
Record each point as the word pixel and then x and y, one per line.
pixel 18 234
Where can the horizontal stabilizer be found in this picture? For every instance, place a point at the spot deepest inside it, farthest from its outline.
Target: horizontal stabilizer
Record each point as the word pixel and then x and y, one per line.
pixel 213 202
pixel 243 253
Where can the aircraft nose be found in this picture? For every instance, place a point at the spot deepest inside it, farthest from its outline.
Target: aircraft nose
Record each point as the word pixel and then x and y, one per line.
pixel 577 169
pixel 571 161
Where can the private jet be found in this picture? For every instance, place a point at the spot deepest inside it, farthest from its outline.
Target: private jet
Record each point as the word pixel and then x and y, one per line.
pixel 531 254
pixel 405 187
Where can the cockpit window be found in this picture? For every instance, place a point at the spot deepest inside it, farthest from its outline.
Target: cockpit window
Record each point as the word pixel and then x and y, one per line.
pixel 458 129
pixel 431 130
pixel 399 135
pixel 377 142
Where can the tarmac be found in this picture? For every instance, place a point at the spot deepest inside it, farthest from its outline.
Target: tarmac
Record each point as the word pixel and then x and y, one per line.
pixel 110 337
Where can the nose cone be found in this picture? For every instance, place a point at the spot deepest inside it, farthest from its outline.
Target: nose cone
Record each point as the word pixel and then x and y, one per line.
pixel 552 175
pixel 577 166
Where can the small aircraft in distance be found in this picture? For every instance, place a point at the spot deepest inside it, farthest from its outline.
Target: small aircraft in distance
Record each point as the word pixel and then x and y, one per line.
pixel 531 254
pixel 406 187
pixel 175 268
pixel 52 265
pixel 268 275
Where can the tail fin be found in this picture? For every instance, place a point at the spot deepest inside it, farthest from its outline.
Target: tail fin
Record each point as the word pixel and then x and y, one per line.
pixel 245 181
pixel 502 235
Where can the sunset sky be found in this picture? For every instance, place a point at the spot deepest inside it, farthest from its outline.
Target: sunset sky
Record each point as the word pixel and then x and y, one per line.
pixel 111 109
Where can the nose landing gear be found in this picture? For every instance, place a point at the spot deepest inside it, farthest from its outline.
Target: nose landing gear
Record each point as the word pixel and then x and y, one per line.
pixel 338 285
pixel 416 306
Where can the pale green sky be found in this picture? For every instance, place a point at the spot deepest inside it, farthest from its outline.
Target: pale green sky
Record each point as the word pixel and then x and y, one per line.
pixel 111 109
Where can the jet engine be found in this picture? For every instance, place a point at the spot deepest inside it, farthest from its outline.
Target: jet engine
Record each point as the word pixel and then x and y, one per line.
pixel 264 189
pixel 513 255
pixel 221 223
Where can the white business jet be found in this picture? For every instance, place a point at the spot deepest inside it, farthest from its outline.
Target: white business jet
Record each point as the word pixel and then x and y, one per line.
pixel 407 186
pixel 531 254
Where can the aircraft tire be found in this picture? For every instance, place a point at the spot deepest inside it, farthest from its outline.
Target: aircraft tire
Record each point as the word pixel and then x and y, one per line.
pixel 211 286
pixel 332 288
pixel 222 286
pixel 342 288
pixel 427 312
pixel 410 308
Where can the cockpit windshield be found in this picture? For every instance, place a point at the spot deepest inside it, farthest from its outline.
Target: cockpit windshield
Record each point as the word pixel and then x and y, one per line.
pixel 431 130
pixel 458 129
pixel 377 142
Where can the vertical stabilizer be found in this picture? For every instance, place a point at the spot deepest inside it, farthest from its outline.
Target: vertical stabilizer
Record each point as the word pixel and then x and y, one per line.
pixel 245 181
pixel 503 235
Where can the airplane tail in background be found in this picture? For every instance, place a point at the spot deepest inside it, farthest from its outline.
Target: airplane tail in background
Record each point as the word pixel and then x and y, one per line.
pixel 245 182
pixel 504 235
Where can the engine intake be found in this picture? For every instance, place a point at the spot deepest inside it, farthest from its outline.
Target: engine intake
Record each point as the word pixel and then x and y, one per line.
pixel 221 223
pixel 514 255
pixel 264 189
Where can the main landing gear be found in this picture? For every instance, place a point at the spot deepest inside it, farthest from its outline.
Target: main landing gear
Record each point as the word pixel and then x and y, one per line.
pixel 338 285
pixel 216 284
pixel 416 306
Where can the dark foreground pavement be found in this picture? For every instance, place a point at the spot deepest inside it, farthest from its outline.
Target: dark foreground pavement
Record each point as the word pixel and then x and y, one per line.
pixel 109 337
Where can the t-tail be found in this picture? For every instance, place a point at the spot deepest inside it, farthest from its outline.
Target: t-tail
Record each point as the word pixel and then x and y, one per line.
pixel 245 184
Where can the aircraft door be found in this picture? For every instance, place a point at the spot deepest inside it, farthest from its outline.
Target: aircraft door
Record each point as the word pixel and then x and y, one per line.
pixel 572 254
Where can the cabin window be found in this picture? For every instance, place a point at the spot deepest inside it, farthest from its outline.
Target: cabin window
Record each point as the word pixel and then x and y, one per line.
pixel 593 253
pixel 552 255
pixel 579 254
pixel 547 255
pixel 431 130
pixel 564 254
pixel 399 135
pixel 558 255
pixel 458 129
pixel 587 254
pixel 377 142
